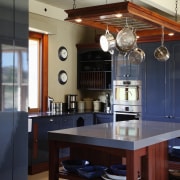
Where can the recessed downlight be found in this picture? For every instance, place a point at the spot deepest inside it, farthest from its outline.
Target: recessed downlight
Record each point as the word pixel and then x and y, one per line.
pixel 78 20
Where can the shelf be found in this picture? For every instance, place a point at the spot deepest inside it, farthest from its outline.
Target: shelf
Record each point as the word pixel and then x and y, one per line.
pixel 95 79
pixel 94 69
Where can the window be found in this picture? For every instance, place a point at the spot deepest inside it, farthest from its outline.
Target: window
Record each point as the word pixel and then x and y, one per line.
pixel 38 72
pixel 34 73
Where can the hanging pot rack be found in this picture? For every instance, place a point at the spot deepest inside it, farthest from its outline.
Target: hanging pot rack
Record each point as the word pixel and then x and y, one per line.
pixel 145 21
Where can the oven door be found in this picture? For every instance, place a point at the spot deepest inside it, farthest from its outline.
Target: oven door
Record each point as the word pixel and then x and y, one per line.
pixel 124 116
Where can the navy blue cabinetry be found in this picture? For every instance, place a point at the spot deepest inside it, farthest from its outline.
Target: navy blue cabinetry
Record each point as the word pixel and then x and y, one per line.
pixel 13 90
pixel 21 19
pixel 173 101
pixel 13 145
pixel 103 118
pixel 123 69
pixel 161 85
pixel 38 138
pixel 153 84
pixel 93 67
pixel 83 119
pixel 7 18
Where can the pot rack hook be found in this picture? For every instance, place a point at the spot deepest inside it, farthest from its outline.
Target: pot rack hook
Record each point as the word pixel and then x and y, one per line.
pixel 74 4
pixel 126 22
pixel 162 38
pixel 176 11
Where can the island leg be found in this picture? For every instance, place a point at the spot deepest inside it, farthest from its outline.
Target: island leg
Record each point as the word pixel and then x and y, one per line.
pixel 158 161
pixel 133 160
pixel 53 161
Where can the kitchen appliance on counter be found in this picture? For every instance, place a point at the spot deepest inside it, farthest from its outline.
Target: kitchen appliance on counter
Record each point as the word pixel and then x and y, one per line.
pixel 127 103
pixel 107 107
pixel 50 101
pixel 71 102
pixel 58 107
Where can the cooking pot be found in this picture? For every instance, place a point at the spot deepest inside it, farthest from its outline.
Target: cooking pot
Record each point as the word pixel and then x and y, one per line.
pixel 161 53
pixel 136 56
pixel 107 42
pixel 125 39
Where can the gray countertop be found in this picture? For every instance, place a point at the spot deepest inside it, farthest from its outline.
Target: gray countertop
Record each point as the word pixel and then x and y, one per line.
pixel 131 135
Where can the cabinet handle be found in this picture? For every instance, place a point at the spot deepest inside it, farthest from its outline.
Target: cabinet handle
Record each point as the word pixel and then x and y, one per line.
pixel 170 117
pixel 51 120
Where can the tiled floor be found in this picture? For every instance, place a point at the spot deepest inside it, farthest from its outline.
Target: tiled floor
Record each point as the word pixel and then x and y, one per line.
pixel 39 176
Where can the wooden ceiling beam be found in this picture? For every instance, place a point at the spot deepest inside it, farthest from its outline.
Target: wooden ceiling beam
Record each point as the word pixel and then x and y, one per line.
pixel 96 17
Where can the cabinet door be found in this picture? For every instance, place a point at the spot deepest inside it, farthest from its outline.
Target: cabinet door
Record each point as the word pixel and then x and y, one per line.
pixel 174 82
pixel 21 19
pixel 123 69
pixel 103 118
pixel 7 18
pixel 83 119
pixel 40 128
pixel 153 85
pixel 13 145
pixel 67 121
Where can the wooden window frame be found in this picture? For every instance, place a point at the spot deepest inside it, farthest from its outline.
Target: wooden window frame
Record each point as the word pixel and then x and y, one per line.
pixel 44 70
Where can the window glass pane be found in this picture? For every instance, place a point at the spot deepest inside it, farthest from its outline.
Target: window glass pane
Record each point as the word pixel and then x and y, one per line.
pixel 33 73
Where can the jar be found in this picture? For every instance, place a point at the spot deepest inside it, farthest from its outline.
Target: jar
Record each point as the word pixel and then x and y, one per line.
pixel 96 106
pixel 81 105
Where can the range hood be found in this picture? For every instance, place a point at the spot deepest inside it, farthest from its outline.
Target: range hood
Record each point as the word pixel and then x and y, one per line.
pixel 145 21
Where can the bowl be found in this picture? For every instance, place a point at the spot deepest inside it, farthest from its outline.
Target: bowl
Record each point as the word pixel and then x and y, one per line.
pixel 109 174
pixel 73 165
pixel 91 172
pixel 118 169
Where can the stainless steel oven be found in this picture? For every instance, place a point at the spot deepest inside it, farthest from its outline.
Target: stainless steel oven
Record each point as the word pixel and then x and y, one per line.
pixel 124 116
pixel 127 100
pixel 127 92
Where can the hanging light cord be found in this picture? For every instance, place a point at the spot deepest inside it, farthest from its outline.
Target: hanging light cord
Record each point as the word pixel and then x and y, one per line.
pixel 74 4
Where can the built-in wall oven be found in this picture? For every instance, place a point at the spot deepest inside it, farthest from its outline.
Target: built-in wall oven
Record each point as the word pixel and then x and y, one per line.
pixel 127 99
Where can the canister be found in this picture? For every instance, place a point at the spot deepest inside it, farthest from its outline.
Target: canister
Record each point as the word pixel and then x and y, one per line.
pixel 96 106
pixel 81 105
pixel 88 104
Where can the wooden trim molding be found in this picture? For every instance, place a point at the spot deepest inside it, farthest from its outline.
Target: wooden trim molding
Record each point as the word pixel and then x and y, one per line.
pixel 44 76
pixel 44 72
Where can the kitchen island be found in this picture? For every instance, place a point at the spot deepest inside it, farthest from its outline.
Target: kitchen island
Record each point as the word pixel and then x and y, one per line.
pixel 143 145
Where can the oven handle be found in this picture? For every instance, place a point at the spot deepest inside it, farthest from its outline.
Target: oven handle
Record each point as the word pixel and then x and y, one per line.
pixel 126 113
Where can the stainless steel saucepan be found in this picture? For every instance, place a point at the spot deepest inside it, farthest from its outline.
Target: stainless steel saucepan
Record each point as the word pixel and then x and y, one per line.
pixel 161 53
pixel 136 56
pixel 107 42
pixel 126 39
